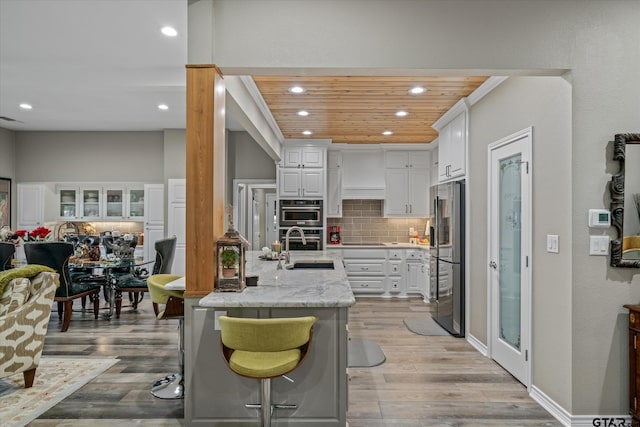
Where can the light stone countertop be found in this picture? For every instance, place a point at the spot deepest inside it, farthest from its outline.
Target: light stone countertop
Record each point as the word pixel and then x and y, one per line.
pixel 289 288
pixel 405 245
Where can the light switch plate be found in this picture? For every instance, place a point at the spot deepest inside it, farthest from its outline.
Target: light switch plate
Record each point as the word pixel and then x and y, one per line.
pixel 552 243
pixel 599 245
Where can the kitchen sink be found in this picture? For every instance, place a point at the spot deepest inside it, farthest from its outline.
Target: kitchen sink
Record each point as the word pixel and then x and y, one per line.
pixel 319 264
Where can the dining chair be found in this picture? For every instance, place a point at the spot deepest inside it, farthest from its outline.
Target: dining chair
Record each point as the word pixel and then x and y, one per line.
pixel 136 283
pixel 7 249
pixel 56 255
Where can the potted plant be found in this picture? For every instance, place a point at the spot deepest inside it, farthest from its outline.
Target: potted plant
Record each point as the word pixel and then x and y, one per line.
pixel 229 260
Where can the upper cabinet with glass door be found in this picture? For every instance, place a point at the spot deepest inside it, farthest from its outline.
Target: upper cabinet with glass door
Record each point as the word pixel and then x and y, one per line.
pixel 79 203
pixel 124 203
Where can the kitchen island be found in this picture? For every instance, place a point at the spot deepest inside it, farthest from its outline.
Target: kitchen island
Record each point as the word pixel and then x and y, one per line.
pixel 215 396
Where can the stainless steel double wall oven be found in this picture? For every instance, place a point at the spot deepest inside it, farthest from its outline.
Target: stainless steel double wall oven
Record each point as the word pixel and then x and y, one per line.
pixel 306 214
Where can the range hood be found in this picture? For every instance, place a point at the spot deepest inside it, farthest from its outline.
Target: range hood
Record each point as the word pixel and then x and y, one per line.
pixel 363 175
pixel 369 193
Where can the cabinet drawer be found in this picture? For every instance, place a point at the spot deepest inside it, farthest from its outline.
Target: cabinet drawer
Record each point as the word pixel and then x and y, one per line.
pixel 395 284
pixel 364 267
pixel 361 284
pixel 349 253
pixel 396 254
pixel 414 254
pixel 395 267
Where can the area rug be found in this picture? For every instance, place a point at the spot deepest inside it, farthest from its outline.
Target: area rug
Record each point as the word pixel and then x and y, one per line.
pixel 56 378
pixel 424 326
pixel 364 353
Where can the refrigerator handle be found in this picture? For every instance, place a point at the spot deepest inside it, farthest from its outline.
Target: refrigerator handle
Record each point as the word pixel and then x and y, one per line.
pixel 432 236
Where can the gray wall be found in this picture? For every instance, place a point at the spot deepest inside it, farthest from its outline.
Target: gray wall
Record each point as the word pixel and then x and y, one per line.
pixel 596 40
pixel 545 104
pixel 175 155
pixel 89 156
pixel 8 166
pixel 246 160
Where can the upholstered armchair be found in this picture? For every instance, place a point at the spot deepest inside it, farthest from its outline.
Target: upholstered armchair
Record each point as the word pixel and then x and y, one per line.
pixel 26 295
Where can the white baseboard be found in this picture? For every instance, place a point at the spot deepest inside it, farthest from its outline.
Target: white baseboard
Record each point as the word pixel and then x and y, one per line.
pixel 557 411
pixel 551 406
pixel 576 420
pixel 478 345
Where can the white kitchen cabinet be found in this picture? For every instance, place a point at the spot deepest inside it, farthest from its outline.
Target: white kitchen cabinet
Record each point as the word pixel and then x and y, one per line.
pixel 452 147
pixel 334 159
pixel 79 203
pixel 414 277
pixel 153 218
pixel 176 222
pixel 154 204
pixel 433 170
pixel 365 269
pixel 407 192
pixel 334 193
pixel 301 183
pixel 303 157
pixel 30 199
pixel 407 159
pixel 123 202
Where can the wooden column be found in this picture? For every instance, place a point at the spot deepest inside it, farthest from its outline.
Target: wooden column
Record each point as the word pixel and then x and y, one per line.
pixel 205 175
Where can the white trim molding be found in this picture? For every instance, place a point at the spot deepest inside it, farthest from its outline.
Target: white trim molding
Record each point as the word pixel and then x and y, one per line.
pixel 478 345
pixel 569 420
pixel 558 412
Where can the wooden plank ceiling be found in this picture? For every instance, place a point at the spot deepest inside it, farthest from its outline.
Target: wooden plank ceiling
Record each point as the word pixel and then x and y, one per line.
pixel 357 109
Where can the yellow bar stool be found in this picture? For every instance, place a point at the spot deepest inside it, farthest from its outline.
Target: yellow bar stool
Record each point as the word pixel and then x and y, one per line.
pixel 171 386
pixel 264 349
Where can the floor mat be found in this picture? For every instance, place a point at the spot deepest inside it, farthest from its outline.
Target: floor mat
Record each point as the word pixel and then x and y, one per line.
pixel 364 353
pixel 424 326
pixel 56 378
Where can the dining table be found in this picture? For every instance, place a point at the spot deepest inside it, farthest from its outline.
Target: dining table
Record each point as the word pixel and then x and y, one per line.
pixel 105 270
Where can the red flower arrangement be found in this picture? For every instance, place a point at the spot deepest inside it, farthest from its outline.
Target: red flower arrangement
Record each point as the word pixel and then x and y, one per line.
pixel 36 234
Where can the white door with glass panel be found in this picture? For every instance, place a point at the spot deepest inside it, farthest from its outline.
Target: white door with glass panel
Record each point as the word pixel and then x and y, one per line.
pixel 509 263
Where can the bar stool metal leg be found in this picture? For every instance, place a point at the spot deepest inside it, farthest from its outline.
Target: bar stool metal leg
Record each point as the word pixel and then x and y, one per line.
pixel 266 402
pixel 172 386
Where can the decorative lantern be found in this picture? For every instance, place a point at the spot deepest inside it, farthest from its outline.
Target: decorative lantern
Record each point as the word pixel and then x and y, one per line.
pixel 232 259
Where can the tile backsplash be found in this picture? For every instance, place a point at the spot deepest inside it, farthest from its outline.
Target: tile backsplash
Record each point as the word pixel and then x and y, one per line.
pixel 363 222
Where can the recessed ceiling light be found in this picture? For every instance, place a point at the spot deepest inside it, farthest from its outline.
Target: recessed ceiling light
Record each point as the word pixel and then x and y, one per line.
pixel 303 113
pixel 417 90
pixel 25 106
pixel 163 107
pixel 401 113
pixel 169 31
pixel 307 132
pixel 387 133
pixel 296 89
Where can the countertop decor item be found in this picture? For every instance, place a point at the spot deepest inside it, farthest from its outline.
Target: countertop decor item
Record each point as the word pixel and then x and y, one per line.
pixel 231 260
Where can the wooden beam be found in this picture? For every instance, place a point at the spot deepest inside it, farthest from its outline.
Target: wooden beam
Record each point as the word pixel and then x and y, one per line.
pixel 205 175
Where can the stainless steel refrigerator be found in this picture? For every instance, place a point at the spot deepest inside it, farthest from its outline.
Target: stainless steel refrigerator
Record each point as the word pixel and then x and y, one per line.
pixel 446 232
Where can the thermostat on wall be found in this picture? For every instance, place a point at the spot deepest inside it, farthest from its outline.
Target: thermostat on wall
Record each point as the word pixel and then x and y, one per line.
pixel 599 218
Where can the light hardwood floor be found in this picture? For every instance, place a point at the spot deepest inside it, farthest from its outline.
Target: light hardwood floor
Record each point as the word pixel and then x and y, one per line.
pixel 425 381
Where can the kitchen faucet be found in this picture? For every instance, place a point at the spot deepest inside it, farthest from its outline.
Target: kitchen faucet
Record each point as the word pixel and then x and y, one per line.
pixel 286 244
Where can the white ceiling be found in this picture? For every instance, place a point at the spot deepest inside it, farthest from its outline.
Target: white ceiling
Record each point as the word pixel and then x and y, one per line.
pixel 92 64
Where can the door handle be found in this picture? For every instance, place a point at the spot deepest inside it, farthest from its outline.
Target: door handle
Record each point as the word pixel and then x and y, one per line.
pixel 493 265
